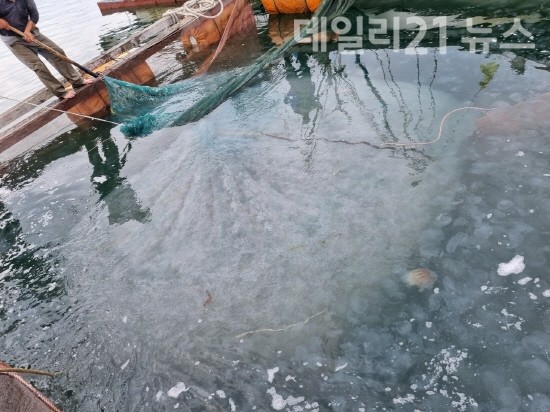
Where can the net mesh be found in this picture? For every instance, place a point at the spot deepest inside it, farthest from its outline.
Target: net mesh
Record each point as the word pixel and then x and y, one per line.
pixel 192 99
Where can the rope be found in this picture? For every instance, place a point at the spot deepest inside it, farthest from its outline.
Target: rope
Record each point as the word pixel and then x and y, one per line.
pixel 61 111
pixel 441 126
pixel 29 371
pixel 197 9
pixel 252 332
pixel 385 145
pixel 229 26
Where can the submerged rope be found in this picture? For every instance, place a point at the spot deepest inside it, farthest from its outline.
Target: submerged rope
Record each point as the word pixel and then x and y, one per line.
pixel 252 332
pixel 441 126
pixel 384 145
pixel 60 111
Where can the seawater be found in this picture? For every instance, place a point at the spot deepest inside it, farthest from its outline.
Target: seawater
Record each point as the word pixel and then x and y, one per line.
pixel 254 260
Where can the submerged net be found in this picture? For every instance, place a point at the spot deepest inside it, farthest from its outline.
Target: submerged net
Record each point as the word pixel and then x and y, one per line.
pixel 197 97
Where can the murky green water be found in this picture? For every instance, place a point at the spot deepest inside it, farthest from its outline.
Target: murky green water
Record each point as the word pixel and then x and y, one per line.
pixel 254 261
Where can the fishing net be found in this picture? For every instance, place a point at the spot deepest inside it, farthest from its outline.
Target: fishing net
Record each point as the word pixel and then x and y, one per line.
pixel 140 106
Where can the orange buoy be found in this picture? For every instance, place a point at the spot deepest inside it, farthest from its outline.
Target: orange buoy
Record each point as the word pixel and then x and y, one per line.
pixel 291 6
pixel 206 32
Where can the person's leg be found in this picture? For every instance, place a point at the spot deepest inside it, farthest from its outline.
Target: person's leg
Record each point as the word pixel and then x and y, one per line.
pixel 64 68
pixel 27 54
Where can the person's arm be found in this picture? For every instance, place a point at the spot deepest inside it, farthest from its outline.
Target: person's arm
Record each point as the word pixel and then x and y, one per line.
pixel 34 16
pixel 27 34
pixel 4 25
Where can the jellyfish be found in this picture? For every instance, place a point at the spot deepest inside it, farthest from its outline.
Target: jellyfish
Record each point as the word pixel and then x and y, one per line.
pixel 422 278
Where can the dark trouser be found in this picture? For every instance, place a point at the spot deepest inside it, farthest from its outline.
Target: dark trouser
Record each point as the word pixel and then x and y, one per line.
pixel 29 53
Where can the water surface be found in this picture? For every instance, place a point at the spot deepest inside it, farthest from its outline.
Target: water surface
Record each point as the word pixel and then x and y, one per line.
pixel 254 260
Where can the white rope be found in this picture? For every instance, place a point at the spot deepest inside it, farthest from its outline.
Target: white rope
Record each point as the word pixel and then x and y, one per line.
pixel 197 9
pixel 441 126
pixel 60 111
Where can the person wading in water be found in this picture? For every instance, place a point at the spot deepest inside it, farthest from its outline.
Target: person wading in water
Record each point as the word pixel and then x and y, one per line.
pixel 23 15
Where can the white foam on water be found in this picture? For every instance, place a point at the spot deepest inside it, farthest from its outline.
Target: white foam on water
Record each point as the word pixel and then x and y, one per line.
pixel 125 365
pixel 177 390
pixel 463 402
pixel 532 296
pixel 516 324
pixel 46 218
pixel 339 368
pixel 505 313
pixel 271 374
pixel 278 402
pixel 232 405
pixel 525 280
pixel 546 293
pixel 402 401
pixel 515 266
pixel 221 394
pixel 100 179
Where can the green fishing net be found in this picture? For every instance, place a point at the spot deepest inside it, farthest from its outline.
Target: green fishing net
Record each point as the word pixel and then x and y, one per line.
pixel 143 108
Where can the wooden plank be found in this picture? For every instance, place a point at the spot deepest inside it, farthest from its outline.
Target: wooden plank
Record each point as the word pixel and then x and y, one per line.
pixel 17 395
pixel 114 6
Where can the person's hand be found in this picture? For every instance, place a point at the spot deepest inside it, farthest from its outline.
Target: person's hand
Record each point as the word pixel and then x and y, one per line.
pixel 4 25
pixel 27 35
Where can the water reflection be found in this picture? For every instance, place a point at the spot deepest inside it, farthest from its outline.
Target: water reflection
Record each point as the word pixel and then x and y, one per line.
pixel 302 97
pixel 107 163
pixel 121 199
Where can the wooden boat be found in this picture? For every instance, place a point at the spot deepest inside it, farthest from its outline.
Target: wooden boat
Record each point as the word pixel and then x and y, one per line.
pixel 126 61
pixel 112 6
pixel 18 395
